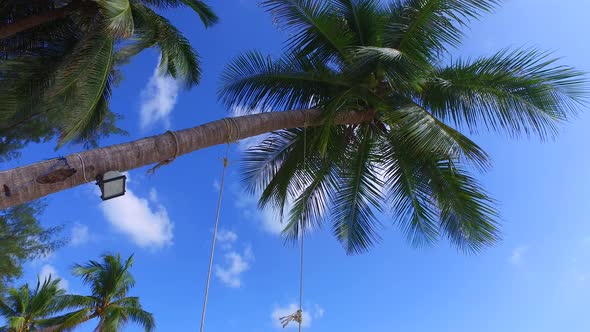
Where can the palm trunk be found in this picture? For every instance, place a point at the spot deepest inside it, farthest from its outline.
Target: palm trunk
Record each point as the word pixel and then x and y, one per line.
pixel 11 29
pixel 27 183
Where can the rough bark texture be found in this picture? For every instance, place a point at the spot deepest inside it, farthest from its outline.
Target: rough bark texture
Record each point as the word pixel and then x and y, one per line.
pixel 11 29
pixel 30 182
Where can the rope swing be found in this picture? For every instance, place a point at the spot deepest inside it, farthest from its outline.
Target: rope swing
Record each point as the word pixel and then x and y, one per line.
pixel 228 123
pixel 297 316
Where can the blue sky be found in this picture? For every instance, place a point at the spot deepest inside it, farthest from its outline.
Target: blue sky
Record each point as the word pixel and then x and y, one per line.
pixel 536 279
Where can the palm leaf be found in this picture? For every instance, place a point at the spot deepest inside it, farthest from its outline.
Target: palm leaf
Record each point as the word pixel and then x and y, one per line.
pixel 359 192
pixel 520 91
pixel 425 28
pixel 118 17
pixel 364 19
pixel 83 87
pixel 316 31
pixel 417 128
pixel 177 57
pixel 208 17
pixel 290 82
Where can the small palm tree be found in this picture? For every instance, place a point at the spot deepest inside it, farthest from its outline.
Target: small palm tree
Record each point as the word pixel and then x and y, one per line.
pixel 110 282
pixel 391 62
pixel 26 309
pixel 60 60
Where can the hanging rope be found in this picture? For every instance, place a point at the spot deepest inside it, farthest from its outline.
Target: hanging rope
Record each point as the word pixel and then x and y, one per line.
pixel 228 124
pixel 297 316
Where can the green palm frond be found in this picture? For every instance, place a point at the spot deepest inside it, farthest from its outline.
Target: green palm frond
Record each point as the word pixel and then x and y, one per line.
pixel 520 91
pixel 427 135
pixel 408 193
pixel 363 18
pixel 82 87
pixel 399 71
pixel 177 57
pixel 424 29
pixel 65 323
pixel 359 194
pixel 31 308
pixel 110 278
pixel 291 82
pixel 140 317
pixel 467 214
pixel 118 17
pixel 316 31
pixel 208 17
pixel 261 162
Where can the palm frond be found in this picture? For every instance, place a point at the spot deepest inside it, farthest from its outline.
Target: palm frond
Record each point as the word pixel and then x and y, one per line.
pixel 316 30
pixel 65 323
pixel 359 192
pixel 141 317
pixel 408 192
pixel 364 19
pixel 425 28
pixel 208 17
pixel 467 213
pixel 82 87
pixel 261 162
pixel 518 92
pixel 312 204
pixel 427 135
pixel 118 17
pixel 291 82
pixel 400 71
pixel 177 57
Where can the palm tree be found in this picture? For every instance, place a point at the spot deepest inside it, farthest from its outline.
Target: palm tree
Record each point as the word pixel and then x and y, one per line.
pixel 410 160
pixel 110 282
pixel 376 104
pixel 26 309
pixel 60 59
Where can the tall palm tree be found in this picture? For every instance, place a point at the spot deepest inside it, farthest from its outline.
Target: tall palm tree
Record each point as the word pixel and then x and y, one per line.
pixel 384 106
pixel 110 282
pixel 60 60
pixel 410 161
pixel 26 309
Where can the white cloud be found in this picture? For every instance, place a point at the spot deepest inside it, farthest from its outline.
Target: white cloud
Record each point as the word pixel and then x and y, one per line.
pixel 284 311
pixel 145 221
pixel 518 254
pixel 80 235
pixel 226 238
pixel 216 185
pixel 48 270
pixel 158 99
pixel 235 265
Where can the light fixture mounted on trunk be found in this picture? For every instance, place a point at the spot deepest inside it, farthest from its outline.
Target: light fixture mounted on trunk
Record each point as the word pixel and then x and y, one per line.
pixel 112 184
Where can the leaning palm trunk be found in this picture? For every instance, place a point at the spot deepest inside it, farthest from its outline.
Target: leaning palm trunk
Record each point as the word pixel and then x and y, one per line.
pixel 27 183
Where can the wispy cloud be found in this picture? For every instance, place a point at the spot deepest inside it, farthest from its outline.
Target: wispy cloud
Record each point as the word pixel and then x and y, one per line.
pixel 49 270
pixel 79 235
pixel 226 238
pixel 146 221
pixel 235 265
pixel 157 100
pixel 518 254
pixel 308 315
